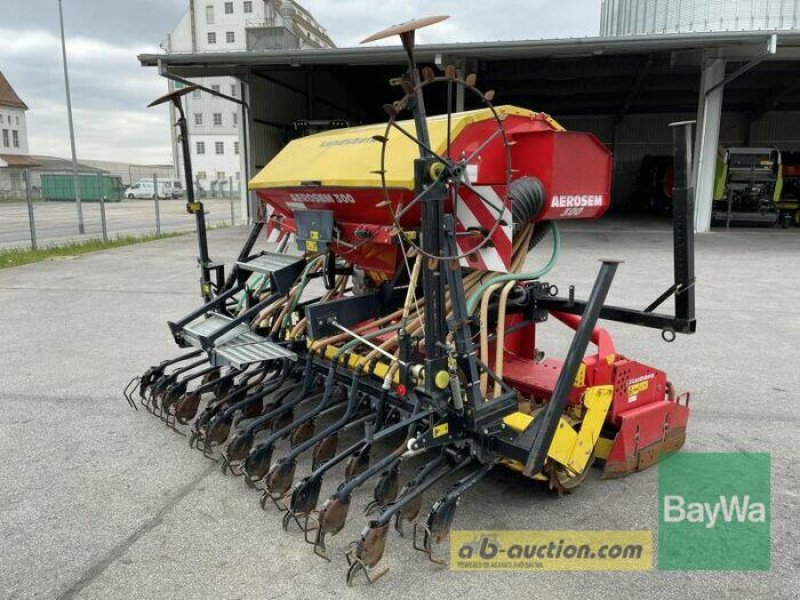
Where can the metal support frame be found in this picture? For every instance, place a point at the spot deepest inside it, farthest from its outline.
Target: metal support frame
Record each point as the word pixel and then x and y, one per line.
pixel 712 87
pixel 683 321
pixel 541 430
pixel 708 125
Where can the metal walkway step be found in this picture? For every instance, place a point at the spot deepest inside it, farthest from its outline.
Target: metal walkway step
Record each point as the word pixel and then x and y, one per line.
pixel 248 349
pixel 282 269
pixel 197 333
pixel 239 347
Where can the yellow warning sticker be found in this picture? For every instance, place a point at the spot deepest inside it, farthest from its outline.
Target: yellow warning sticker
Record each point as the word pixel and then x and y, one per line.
pixel 441 430
pixel 314 235
pixel 637 388
pixel 580 377
pixel 311 246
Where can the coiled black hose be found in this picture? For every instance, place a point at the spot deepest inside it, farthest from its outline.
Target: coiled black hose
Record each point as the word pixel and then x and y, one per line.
pixel 527 201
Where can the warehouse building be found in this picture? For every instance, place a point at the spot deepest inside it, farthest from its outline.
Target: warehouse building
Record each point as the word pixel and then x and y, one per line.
pixel 741 86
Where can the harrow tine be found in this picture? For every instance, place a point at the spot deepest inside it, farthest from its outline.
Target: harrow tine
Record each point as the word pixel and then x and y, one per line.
pixel 364 554
pixel 259 458
pixel 280 477
pixel 186 408
pixel 241 444
pixel 409 501
pixel 386 489
pixel 155 372
pixel 176 391
pixel 305 494
pixel 129 390
pixel 219 426
pixel 162 384
pixel 333 514
pixel 324 450
pixel 258 462
pixel 437 526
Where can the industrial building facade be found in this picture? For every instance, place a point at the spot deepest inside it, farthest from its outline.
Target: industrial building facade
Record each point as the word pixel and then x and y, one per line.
pixel 215 126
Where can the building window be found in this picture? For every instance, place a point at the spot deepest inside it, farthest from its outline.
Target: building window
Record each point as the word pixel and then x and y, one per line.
pixel 212 37
pixel 220 174
pixel 235 118
pixel 201 147
pixel 215 87
pixel 201 174
pixel 219 147
pixel 5 138
pixel 236 147
pixel 196 94
pixel 229 37
pixel 210 15
pixel 17 120
pixel 233 90
pixel 15 138
pixel 229 8
pixel 248 7
pixel 217 119
pixel 238 175
pixel 198 118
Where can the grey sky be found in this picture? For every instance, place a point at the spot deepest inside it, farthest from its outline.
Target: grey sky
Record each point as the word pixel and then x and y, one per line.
pixel 110 90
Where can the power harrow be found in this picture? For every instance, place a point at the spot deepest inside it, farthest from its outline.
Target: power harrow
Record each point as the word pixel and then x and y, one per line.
pixel 398 342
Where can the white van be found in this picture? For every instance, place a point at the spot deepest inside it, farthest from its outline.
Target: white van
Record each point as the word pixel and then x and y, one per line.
pixel 173 188
pixel 144 189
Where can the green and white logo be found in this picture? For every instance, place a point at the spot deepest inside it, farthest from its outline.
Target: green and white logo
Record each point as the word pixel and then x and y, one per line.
pixel 714 512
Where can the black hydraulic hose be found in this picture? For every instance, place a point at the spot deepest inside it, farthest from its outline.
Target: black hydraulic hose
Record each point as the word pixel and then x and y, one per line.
pixel 527 200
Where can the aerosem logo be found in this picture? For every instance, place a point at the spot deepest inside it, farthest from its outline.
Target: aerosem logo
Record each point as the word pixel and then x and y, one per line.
pixel 714 512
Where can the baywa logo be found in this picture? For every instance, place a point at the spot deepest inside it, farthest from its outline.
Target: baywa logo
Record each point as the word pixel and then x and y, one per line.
pixel 714 512
pixel 734 508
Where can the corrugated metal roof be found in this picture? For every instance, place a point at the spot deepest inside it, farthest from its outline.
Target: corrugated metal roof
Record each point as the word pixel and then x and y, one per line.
pixel 587 46
pixel 8 97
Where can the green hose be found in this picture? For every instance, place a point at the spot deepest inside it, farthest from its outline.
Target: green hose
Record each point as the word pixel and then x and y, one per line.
pixel 475 298
pixel 259 284
pixel 301 288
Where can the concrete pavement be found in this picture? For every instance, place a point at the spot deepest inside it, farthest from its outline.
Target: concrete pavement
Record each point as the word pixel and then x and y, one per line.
pixel 99 501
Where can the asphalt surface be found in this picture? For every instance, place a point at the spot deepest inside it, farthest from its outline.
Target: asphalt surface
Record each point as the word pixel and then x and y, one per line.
pixel 57 222
pixel 100 501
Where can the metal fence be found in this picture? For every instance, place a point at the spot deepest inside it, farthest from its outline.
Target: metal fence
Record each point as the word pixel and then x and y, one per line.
pixel 35 221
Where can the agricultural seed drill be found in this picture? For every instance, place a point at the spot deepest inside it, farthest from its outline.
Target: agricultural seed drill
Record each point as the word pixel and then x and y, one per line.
pixel 421 349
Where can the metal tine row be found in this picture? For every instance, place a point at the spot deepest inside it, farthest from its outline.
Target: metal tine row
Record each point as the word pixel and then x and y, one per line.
pixel 240 405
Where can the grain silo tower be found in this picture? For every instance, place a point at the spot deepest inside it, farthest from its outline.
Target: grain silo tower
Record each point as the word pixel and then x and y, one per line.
pixel 642 17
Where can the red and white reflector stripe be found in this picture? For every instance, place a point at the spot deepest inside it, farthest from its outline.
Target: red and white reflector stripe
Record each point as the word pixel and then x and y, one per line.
pixel 473 212
pixel 274 233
